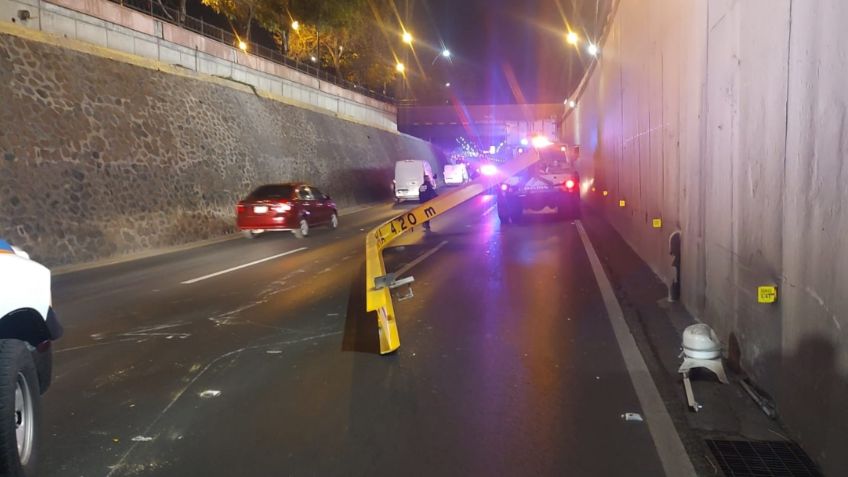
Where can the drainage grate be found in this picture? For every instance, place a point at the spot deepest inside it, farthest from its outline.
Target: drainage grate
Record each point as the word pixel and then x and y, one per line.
pixel 762 458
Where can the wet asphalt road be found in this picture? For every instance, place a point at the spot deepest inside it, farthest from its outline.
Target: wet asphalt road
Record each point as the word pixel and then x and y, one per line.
pixel 508 363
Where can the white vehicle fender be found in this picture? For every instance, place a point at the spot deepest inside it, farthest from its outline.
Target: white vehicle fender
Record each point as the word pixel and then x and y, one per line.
pixel 23 284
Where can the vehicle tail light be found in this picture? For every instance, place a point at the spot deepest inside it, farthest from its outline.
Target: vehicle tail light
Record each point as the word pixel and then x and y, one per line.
pixel 569 184
pixel 239 208
pixel 282 208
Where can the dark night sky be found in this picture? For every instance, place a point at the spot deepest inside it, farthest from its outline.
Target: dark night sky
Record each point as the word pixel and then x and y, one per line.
pixel 491 38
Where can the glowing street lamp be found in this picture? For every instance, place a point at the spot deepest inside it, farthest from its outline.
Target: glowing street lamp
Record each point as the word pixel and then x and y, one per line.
pixel 447 85
pixel 295 25
pixel 572 104
pixel 571 38
pixel 400 68
pixel 592 49
pixel 446 53
pixel 242 45
pixel 407 38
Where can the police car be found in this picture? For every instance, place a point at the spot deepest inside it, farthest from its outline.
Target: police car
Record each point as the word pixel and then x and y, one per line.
pixel 27 328
pixel 551 183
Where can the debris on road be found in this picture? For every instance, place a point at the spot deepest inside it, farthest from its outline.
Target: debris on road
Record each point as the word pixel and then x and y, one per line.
pixel 210 393
pixel 632 416
pixel 274 351
pixel 142 439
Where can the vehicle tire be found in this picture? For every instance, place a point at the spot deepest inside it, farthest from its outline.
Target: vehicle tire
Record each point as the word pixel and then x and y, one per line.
pixel 20 409
pixel 334 221
pixel 303 230
pixel 250 234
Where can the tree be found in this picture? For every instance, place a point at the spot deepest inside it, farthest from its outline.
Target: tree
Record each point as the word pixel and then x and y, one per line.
pixel 346 36
pixel 240 14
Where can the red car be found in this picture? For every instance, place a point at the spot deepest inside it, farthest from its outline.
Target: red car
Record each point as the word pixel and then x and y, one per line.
pixel 292 207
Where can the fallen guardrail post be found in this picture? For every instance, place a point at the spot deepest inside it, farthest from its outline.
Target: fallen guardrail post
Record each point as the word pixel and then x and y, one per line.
pixel 379 284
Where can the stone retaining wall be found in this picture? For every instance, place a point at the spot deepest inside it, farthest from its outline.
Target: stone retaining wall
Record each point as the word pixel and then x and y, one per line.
pixel 100 158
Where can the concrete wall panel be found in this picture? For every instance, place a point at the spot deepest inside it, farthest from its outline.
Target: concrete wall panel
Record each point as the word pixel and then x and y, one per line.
pixel 730 120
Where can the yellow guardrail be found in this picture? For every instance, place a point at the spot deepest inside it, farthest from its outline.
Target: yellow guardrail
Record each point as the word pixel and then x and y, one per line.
pixel 378 296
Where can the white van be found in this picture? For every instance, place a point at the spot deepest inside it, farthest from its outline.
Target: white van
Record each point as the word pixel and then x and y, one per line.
pixel 409 175
pixel 455 174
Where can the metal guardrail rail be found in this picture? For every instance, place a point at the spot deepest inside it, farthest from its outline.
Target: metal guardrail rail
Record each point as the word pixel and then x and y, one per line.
pixel 379 284
pixel 171 15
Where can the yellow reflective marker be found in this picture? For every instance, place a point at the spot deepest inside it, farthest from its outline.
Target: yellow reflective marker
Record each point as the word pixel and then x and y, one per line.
pixel 622 203
pixel 767 294
pixel 657 223
pixel 378 296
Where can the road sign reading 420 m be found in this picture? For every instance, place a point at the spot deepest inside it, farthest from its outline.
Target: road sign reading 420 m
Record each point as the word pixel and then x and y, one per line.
pixel 404 222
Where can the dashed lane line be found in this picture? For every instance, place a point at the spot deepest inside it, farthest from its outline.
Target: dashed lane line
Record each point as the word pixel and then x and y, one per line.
pixel 421 258
pixel 255 262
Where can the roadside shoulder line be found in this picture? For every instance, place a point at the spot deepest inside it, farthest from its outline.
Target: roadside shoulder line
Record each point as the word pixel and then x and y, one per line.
pixel 675 460
pixel 250 264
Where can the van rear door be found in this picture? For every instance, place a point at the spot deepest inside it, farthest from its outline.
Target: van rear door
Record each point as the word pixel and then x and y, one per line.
pixel 409 175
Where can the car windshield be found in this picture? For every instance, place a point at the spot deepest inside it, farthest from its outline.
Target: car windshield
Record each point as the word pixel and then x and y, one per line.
pixel 554 162
pixel 272 192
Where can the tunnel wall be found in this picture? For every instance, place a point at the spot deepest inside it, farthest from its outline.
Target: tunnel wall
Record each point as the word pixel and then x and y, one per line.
pixel 727 120
pixel 105 156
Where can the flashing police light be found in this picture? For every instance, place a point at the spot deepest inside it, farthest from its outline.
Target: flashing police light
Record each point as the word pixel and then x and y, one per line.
pixel 540 142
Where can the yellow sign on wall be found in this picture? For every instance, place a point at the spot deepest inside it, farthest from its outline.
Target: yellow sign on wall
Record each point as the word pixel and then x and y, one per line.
pixel 622 203
pixel 767 294
pixel 657 223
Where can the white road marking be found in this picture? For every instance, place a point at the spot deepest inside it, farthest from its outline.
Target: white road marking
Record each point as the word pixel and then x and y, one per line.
pixel 420 259
pixel 675 460
pixel 489 210
pixel 255 262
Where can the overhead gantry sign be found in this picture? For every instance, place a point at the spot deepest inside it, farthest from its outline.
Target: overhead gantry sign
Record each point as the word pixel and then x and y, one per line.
pixel 379 284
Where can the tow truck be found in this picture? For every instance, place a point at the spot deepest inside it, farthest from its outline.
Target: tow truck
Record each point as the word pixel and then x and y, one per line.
pixel 552 183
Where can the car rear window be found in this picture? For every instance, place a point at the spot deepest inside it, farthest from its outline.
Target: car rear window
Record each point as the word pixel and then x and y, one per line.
pixel 272 192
